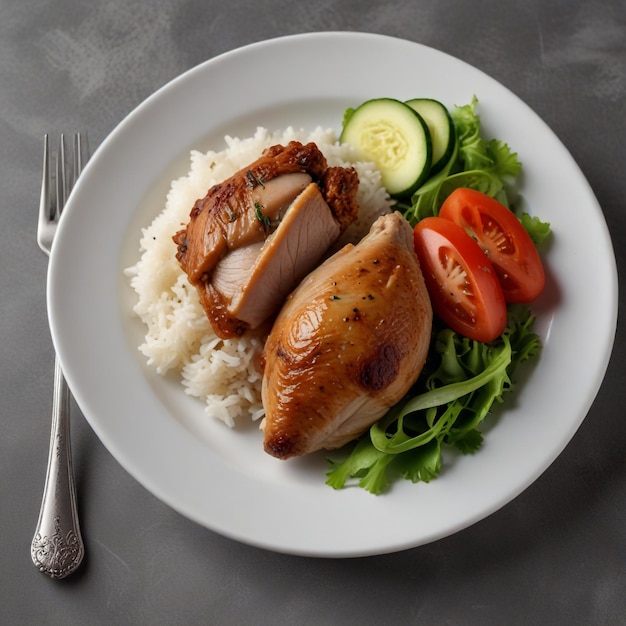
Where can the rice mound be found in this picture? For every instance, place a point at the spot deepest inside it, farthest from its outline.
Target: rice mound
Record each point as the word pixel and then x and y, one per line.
pixel 179 337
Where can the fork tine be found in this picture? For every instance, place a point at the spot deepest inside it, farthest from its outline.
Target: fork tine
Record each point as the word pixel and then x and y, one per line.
pixel 45 212
pixel 61 179
pixel 58 180
pixel 78 156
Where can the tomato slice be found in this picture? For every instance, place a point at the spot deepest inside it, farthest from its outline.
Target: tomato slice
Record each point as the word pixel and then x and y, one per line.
pixel 503 239
pixel 462 284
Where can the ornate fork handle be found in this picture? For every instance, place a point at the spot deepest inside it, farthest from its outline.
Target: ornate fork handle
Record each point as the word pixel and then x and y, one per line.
pixel 57 548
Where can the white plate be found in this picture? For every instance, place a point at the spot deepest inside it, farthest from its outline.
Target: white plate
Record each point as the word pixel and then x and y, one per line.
pixel 221 478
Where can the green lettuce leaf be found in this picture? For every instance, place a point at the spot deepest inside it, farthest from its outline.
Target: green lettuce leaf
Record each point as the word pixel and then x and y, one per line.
pixel 539 231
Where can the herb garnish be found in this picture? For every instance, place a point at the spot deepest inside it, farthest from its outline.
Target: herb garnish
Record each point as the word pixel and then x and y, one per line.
pixel 260 215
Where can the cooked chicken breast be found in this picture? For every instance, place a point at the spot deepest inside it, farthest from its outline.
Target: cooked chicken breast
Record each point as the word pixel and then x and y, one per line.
pixel 252 238
pixel 348 344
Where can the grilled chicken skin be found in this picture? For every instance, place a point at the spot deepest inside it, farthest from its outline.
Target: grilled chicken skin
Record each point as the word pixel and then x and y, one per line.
pixel 348 343
pixel 252 238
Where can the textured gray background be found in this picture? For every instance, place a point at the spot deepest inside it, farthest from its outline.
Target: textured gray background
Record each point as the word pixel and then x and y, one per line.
pixel 556 554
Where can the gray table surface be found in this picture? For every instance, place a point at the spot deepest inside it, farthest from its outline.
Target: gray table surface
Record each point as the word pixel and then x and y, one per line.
pixel 556 554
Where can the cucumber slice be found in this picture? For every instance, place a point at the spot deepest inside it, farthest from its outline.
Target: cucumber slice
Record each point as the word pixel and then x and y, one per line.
pixel 441 128
pixel 393 136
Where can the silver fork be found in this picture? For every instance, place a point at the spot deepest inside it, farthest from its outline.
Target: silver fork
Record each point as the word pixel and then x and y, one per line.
pixel 57 548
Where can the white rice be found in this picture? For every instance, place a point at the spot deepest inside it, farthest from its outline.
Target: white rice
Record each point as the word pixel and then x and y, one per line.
pixel 225 374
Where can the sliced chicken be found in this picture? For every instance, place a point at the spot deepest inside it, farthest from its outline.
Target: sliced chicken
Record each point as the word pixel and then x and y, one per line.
pixel 252 238
pixel 230 215
pixel 348 344
pixel 252 281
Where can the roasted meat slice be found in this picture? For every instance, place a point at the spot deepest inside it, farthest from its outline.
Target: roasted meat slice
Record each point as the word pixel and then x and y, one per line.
pixel 234 212
pixel 250 283
pixel 252 238
pixel 349 342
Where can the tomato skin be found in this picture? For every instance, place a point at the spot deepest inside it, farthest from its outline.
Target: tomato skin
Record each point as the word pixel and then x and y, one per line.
pixel 503 239
pixel 462 284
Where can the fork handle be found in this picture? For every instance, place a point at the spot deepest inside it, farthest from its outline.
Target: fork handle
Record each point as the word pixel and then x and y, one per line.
pixel 57 548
